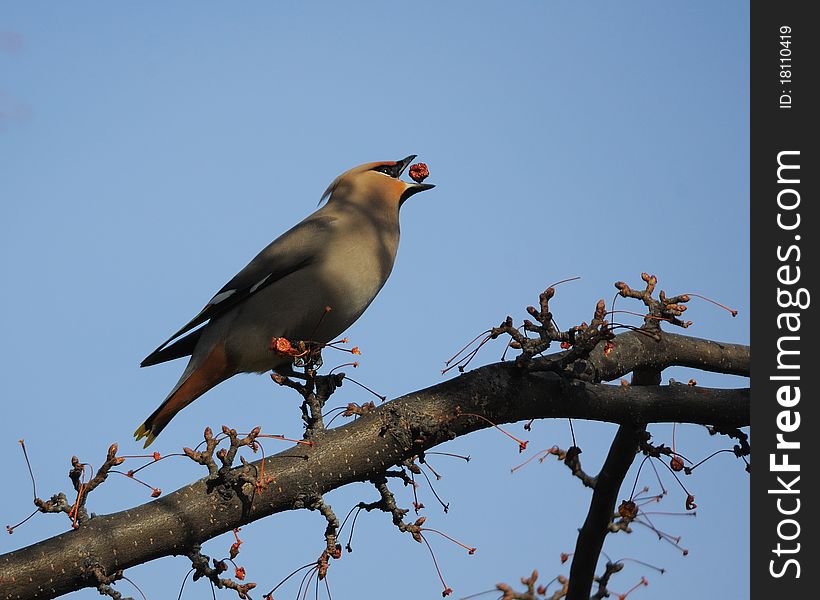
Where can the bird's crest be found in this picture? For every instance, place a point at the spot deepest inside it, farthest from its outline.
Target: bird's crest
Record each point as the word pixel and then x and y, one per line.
pixel 365 167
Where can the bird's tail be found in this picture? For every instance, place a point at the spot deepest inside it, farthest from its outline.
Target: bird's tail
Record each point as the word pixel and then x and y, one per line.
pixel 193 383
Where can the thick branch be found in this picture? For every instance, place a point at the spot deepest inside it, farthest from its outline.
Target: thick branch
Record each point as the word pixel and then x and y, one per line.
pixel 361 451
pixel 607 485
pixel 638 350
pixel 592 534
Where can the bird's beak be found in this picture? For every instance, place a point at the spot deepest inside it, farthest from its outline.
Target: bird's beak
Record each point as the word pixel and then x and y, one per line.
pixel 412 188
pixel 404 163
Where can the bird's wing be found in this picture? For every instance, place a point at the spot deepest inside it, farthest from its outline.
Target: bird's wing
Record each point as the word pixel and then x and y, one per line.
pixel 292 251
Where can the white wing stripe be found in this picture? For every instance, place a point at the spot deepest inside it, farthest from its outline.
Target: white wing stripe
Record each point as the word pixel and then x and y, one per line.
pixel 256 287
pixel 223 296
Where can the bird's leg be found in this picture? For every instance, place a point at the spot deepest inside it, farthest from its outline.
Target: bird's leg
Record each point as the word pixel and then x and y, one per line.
pixel 288 371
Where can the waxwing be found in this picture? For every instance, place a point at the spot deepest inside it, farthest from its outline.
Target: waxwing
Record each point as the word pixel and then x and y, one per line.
pixel 338 257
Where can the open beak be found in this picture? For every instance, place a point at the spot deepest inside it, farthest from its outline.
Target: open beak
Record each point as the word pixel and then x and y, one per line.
pixel 412 188
pixel 401 165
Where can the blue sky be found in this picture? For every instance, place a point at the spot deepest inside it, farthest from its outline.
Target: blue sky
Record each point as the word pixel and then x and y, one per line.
pixel 148 151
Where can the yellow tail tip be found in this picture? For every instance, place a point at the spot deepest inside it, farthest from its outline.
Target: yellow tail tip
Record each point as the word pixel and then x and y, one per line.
pixel 143 432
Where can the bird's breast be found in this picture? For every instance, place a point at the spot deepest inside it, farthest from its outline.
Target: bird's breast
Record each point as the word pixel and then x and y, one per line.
pixel 354 274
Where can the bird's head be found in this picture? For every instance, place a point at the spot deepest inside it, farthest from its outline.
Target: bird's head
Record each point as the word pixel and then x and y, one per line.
pixel 376 182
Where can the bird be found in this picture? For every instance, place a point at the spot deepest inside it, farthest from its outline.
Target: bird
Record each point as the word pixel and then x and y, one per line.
pixel 309 284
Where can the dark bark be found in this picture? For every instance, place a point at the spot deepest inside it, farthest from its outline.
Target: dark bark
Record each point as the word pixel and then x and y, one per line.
pixel 594 530
pixel 608 483
pixel 636 350
pixel 366 448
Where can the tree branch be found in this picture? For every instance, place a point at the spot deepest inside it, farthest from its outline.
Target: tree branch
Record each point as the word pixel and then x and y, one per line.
pixel 593 532
pixel 636 350
pixel 366 448
pixel 607 485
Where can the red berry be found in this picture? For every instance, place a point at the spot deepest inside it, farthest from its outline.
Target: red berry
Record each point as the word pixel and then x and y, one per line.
pixel 419 172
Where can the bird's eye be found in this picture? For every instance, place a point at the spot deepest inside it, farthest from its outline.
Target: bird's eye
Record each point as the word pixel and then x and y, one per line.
pixel 383 169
